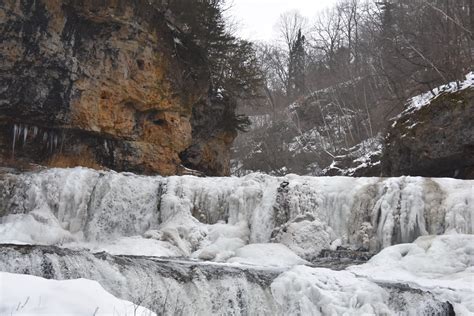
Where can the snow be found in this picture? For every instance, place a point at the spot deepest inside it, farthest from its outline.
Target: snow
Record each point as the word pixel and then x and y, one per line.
pixel 363 155
pixel 136 246
pixel 424 99
pixel 443 265
pixel 31 295
pixel 266 255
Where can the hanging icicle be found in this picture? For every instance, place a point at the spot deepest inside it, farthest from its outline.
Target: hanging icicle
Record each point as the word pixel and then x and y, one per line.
pixel 15 133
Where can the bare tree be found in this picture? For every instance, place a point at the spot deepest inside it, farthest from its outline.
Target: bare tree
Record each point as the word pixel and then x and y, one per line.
pixel 288 26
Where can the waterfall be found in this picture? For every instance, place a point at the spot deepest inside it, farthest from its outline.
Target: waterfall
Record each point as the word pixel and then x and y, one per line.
pixel 84 205
pixel 236 246
pixel 176 287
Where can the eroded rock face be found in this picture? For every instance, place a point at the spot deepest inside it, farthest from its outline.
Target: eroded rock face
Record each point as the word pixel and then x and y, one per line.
pixel 107 83
pixel 434 141
pixel 212 139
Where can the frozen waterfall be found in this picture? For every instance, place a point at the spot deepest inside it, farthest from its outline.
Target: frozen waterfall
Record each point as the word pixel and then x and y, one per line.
pixel 61 206
pixel 233 246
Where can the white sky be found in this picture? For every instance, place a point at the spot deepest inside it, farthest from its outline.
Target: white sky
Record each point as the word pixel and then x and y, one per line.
pixel 257 18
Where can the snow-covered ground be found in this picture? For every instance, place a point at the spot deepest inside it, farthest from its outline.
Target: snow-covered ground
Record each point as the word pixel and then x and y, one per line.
pixel 424 99
pixel 31 295
pixel 364 155
pixel 273 224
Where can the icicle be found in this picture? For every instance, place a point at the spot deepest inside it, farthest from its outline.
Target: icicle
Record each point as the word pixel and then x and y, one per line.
pixel 51 137
pixel 15 128
pixel 25 134
pixel 45 137
pixel 55 141
pixel 35 131
pixel 106 145
pixel 62 142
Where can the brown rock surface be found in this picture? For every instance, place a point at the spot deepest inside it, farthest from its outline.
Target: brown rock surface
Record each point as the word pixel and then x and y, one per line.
pixel 108 83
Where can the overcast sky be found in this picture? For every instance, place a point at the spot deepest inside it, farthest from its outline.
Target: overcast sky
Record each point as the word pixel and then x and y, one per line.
pixel 257 18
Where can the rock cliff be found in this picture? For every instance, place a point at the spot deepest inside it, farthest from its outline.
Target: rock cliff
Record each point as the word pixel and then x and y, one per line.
pixel 436 140
pixel 104 84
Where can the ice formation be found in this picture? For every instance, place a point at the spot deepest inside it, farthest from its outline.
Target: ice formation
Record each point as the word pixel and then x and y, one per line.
pixel 235 245
pixel 62 206
pixel 183 287
pixel 443 265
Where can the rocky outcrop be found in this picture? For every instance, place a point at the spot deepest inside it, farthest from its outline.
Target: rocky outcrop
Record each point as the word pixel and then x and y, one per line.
pixel 212 138
pixel 105 84
pixel 436 140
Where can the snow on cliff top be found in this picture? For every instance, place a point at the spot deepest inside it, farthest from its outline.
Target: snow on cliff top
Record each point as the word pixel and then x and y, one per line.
pixel 424 99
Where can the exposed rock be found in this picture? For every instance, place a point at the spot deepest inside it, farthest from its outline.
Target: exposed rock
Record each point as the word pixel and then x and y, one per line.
pixel 99 84
pixel 212 139
pixel 436 140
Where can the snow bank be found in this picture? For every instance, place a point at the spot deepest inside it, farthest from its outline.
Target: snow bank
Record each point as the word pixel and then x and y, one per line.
pixel 31 295
pixel 266 255
pixel 442 265
pixel 424 99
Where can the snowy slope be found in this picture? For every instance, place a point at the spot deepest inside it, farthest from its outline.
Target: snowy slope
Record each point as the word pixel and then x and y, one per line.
pixel 425 99
pixel 30 295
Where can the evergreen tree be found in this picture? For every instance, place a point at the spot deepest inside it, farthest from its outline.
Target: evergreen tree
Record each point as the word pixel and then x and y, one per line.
pixel 232 62
pixel 296 68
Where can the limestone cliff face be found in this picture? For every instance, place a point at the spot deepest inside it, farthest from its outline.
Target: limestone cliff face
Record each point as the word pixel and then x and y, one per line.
pixel 434 141
pixel 109 83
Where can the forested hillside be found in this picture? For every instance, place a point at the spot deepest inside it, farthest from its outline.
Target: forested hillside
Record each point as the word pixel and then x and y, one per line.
pixel 336 80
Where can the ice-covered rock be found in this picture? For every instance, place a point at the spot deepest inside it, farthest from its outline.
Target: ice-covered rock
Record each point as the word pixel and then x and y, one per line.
pixel 442 265
pixel 313 291
pixel 316 291
pixel 304 235
pixel 434 137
